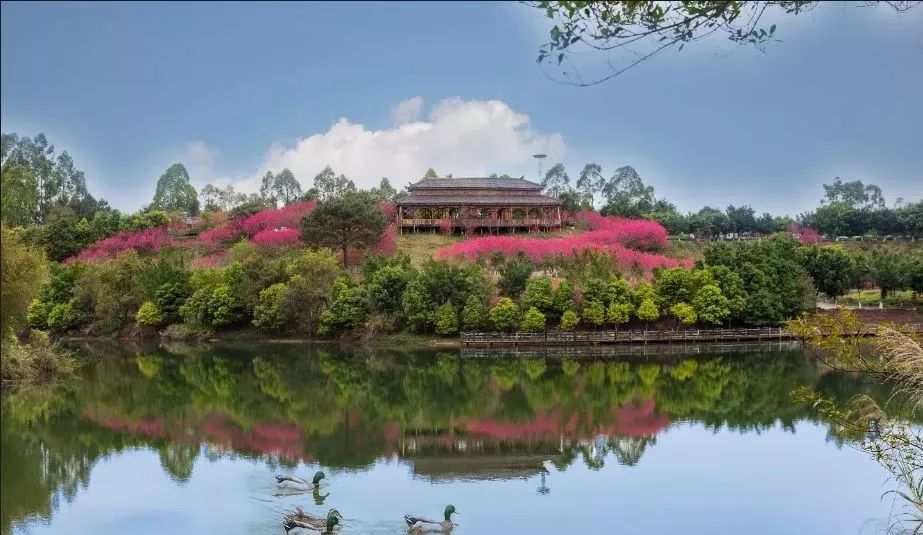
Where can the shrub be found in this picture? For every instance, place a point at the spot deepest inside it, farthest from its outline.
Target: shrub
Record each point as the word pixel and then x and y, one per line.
pixel 538 294
pixel 347 313
pixel 151 240
pixel 594 313
pixel 619 312
pixel 505 316
pixel 474 314
pixel 224 306
pixel 169 297
pixel 149 315
pixel 684 313
pixel 514 274
pixel 533 321
pixel 710 305
pixel 37 315
pixel 64 317
pixel 446 320
pixel 569 320
pixel 647 310
pixel 268 314
pixel 563 298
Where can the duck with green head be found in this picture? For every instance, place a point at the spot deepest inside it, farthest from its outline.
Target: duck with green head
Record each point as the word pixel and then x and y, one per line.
pixel 301 523
pixel 296 483
pixel 422 525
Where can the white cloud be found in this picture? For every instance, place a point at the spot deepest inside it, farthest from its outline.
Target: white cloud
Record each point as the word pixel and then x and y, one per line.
pixel 407 111
pixel 459 137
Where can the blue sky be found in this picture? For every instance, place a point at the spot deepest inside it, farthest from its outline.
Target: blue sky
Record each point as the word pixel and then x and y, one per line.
pixel 391 89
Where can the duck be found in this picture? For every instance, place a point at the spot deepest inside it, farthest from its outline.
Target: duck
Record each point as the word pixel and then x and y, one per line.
pixel 418 524
pixel 301 523
pixel 296 483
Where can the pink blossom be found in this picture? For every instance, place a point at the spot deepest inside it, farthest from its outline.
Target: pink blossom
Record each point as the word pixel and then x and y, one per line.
pixel 806 235
pixel 273 237
pixel 386 244
pixel 287 216
pixel 388 210
pixel 149 240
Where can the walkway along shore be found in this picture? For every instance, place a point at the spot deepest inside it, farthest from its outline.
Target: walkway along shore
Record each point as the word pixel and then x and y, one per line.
pixel 572 338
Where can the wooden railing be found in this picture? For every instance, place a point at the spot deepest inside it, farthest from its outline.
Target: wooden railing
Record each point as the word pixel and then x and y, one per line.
pixel 632 336
pixel 471 222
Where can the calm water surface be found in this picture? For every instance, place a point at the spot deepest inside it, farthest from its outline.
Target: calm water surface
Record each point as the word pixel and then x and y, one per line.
pixel 186 439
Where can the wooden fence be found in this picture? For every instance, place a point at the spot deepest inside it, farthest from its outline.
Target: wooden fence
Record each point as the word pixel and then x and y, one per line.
pixel 562 338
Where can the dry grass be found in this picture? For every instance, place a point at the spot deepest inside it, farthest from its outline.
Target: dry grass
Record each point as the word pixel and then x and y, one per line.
pixel 903 361
pixel 36 362
pixel 421 246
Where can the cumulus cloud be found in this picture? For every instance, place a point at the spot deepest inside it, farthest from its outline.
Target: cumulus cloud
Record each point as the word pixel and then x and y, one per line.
pixel 407 111
pixel 458 137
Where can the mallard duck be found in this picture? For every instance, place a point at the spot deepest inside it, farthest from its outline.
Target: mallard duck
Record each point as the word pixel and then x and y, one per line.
pixel 423 525
pixel 302 523
pixel 296 483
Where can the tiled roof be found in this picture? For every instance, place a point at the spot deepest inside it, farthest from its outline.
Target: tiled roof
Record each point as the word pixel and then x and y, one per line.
pixel 479 200
pixel 474 183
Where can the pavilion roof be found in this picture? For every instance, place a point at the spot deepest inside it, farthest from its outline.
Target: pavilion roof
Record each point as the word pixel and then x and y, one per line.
pixel 475 183
pixel 480 200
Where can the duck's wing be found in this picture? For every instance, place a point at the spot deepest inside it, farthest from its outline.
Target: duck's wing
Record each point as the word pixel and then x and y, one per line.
pixel 417 521
pixel 290 524
pixel 280 478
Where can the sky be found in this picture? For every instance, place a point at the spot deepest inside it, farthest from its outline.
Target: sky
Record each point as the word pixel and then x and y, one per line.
pixel 390 89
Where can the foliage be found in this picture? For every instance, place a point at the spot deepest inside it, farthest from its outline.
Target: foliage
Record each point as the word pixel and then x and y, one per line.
pixel 174 192
pixel 710 305
pixel 888 269
pixel 641 30
pixel 268 314
pixel 474 314
pixel 569 320
pixel 533 320
pixel 514 274
pixel 149 315
pixel 38 361
pixel 446 320
pixel 684 313
pixel 151 240
pixel 538 294
pixel 563 298
pixel 341 222
pixel 440 282
pixel 505 315
pixel 23 269
pixel 282 188
pixel 647 310
pixel 619 312
pixel 329 185
pixel 170 296
pixel 831 268
pixel 348 312
pixel 594 313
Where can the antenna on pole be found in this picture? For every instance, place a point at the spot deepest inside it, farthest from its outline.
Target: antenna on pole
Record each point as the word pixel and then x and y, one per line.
pixel 539 157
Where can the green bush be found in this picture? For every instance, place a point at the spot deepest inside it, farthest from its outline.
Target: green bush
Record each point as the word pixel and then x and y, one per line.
pixel 533 321
pixel 446 320
pixel 594 313
pixel 37 316
pixel 64 317
pixel 505 316
pixel 684 313
pixel 169 297
pixel 347 313
pixel 569 320
pixel 225 307
pixel 474 314
pixel 149 315
pixel 538 294
pixel 710 305
pixel 619 312
pixel 268 314
pixel 647 310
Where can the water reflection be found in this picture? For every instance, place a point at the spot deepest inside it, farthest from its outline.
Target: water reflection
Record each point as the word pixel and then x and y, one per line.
pixel 445 417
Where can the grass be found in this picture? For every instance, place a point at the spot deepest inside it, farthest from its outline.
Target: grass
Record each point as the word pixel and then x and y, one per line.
pixel 37 362
pixel 421 246
pixel 870 298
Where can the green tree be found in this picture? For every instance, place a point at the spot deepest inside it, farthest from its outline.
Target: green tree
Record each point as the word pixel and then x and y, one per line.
pixel 385 192
pixel 619 312
pixel 149 315
pixel 533 321
pixel 329 185
pixel 594 313
pixel 563 298
pixel 684 313
pixel 505 315
pixel 474 314
pixel 430 174
pixel 269 313
pixel 741 219
pixel 555 182
pixel 18 196
pixel 341 222
pixel 626 195
pixel 58 237
pixel 887 268
pixel 174 192
pixel 23 269
pixel 514 274
pixel 647 311
pixel 710 305
pixel 446 319
pixel 831 268
pixel 348 312
pixel 538 294
pixel 281 189
pixel 569 320
pixel 169 297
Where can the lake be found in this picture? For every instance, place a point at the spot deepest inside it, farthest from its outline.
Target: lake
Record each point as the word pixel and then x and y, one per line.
pixel 187 439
